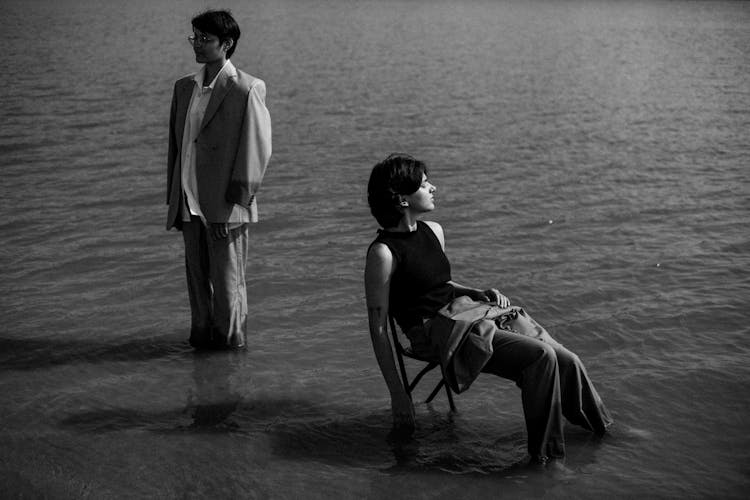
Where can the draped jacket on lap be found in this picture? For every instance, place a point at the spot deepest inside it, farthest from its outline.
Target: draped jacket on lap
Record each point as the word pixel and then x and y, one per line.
pixel 460 335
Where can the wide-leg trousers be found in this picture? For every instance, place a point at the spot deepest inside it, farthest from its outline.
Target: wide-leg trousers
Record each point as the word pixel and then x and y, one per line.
pixel 553 383
pixel 216 285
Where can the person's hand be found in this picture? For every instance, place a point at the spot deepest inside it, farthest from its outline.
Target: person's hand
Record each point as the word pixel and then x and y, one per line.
pixel 494 296
pixel 219 230
pixel 403 412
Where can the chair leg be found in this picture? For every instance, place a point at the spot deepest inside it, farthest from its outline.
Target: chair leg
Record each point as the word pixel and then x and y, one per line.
pixel 421 374
pixel 450 398
pixel 435 391
pixel 448 390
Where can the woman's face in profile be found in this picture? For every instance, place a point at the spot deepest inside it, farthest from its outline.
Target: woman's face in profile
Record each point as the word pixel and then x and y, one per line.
pixel 423 199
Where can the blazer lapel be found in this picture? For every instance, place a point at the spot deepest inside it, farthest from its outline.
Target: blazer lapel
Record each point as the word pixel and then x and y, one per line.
pixel 224 82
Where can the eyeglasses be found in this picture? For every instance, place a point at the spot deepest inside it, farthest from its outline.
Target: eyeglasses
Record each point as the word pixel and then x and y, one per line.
pixel 201 39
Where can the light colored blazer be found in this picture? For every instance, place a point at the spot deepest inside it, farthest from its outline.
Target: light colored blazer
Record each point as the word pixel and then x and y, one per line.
pixel 232 149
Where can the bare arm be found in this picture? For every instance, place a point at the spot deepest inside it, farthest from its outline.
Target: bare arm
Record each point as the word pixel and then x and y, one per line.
pixel 378 271
pixel 492 295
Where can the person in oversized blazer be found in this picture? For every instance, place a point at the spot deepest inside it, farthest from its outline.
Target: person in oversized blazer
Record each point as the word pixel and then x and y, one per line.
pixel 219 147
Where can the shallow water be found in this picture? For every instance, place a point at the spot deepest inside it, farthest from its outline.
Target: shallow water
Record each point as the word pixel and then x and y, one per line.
pixel 591 161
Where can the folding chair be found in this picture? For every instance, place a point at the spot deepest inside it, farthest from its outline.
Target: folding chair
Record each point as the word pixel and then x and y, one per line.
pixel 402 352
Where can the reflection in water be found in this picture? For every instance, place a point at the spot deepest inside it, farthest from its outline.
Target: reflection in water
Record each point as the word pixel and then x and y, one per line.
pixel 466 444
pixel 442 442
pixel 221 401
pixel 411 451
pixel 214 398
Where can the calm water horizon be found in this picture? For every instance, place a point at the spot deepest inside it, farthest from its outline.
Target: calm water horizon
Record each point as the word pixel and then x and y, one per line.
pixel 591 160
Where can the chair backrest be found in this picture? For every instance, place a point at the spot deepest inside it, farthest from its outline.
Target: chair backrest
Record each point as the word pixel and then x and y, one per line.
pixel 399 348
pixel 409 386
pixel 394 335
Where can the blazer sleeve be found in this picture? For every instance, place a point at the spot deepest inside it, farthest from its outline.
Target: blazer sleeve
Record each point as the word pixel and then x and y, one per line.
pixel 254 149
pixel 172 152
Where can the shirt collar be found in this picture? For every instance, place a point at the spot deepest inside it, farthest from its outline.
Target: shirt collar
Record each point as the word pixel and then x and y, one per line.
pixel 228 68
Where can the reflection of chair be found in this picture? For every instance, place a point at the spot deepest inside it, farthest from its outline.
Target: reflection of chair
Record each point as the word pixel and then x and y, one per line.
pixel 402 351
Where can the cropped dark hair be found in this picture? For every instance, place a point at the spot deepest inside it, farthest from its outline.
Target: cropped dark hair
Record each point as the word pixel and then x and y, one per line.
pixel 399 174
pixel 219 23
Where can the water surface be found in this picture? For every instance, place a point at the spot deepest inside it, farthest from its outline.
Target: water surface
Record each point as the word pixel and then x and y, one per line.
pixel 591 161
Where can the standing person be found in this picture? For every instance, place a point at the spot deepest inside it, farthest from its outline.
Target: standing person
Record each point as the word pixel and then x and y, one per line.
pixel 219 146
pixel 408 276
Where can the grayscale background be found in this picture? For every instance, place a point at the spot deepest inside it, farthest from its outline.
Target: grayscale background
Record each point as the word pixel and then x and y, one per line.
pixel 591 159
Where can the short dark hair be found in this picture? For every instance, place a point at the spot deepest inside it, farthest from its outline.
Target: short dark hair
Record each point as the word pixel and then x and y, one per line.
pixel 219 23
pixel 398 174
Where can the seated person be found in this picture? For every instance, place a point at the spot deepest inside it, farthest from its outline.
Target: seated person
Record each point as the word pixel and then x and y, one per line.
pixel 407 271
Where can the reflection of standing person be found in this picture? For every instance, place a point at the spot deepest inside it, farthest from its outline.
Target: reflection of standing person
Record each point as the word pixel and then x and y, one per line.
pixel 219 146
pixel 408 276
pixel 215 397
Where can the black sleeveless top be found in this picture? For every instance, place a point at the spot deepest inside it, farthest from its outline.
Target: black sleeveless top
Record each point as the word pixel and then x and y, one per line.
pixel 419 286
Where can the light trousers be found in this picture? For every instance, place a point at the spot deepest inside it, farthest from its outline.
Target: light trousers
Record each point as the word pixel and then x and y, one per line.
pixel 553 383
pixel 216 285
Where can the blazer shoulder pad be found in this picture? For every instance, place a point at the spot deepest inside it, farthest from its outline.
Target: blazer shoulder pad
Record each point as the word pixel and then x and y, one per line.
pixel 247 81
pixel 185 79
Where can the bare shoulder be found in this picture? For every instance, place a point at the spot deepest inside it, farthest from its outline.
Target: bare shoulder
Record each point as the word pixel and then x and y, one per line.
pixel 438 230
pixel 379 253
pixel 379 268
